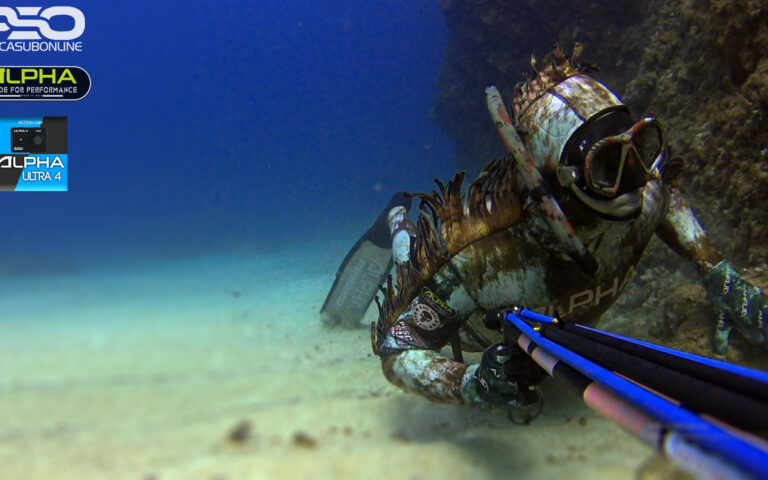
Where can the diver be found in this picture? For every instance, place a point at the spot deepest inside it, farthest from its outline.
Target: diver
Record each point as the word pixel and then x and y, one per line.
pixel 559 227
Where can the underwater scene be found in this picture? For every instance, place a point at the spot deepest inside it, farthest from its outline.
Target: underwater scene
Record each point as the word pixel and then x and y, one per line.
pixel 426 239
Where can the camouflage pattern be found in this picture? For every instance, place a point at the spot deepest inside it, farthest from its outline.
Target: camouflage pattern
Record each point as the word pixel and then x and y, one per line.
pixel 737 303
pixel 551 120
pixel 474 252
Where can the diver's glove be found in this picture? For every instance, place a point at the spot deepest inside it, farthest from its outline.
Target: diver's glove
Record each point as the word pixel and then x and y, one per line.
pixel 505 379
pixel 738 303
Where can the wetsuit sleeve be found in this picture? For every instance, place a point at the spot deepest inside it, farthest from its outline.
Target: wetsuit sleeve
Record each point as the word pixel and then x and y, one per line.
pixel 410 355
pixel 409 344
pixel 737 302
pixel 682 232
pixel 431 375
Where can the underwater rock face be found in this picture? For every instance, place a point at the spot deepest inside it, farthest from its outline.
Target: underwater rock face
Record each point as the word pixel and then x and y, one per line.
pixel 491 42
pixel 699 65
pixel 704 72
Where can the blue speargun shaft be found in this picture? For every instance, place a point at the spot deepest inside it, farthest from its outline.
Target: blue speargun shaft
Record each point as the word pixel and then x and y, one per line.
pixel 697 444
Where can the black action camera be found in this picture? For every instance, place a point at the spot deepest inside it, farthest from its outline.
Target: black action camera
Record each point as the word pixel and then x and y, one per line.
pixel 28 140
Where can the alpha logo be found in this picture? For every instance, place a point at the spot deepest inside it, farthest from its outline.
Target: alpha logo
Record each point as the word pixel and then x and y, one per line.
pixel 43 83
pixel 11 161
pixel 592 297
pixel 32 17
pixel 437 302
pixel 36 75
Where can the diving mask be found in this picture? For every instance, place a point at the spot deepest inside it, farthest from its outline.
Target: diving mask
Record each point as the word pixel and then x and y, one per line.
pixel 615 163
pixel 627 160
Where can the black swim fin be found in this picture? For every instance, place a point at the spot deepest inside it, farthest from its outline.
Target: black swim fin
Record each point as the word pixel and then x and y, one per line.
pixel 362 271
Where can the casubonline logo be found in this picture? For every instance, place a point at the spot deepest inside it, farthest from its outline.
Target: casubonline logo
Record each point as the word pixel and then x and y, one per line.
pixel 27 24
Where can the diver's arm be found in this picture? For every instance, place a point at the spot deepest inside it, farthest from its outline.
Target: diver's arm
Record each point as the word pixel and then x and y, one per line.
pixel 427 373
pixel 486 384
pixel 737 302
pixel 682 232
pixel 409 343
pixel 409 357
pixel 409 350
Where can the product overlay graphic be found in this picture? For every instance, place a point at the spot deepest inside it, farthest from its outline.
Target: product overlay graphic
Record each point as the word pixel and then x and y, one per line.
pixel 33 154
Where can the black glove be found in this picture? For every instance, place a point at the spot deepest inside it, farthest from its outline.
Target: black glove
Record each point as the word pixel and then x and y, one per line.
pixel 505 378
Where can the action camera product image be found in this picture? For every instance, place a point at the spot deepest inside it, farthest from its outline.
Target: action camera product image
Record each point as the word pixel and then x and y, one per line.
pixel 33 154
pixel 28 140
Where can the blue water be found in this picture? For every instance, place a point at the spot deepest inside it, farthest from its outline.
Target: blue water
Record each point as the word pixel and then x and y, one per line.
pixel 216 132
pixel 231 125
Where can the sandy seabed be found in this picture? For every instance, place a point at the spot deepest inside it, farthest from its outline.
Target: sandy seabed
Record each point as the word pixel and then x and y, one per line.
pixel 144 373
